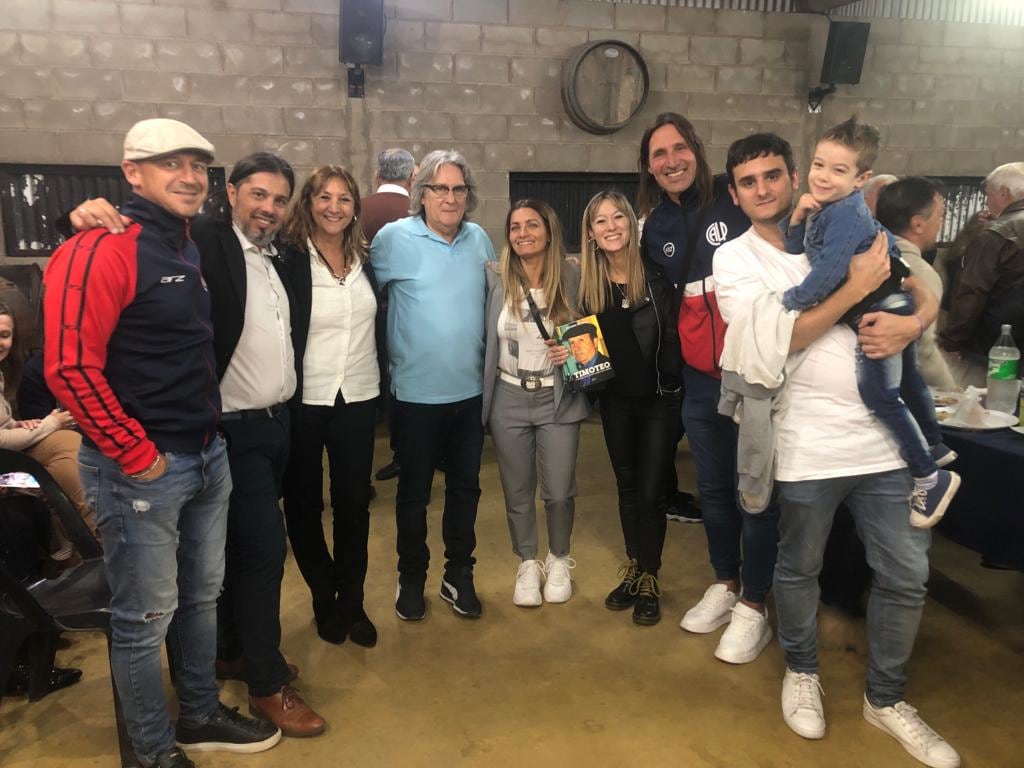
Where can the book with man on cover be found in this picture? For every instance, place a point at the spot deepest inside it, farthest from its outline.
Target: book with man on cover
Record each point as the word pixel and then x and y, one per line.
pixel 588 364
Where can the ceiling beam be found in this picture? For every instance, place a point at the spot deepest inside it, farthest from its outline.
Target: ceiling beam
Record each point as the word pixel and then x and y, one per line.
pixel 821 6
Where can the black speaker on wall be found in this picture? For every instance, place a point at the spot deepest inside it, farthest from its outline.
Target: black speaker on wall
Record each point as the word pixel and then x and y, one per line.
pixel 362 32
pixel 844 52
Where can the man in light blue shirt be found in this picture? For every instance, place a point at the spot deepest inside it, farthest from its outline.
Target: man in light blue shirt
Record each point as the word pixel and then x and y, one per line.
pixel 433 265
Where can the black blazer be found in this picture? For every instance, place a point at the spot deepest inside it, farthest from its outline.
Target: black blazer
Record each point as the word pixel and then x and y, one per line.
pixel 297 275
pixel 223 266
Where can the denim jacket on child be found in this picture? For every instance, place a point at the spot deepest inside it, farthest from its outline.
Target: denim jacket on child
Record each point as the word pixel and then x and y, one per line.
pixel 830 238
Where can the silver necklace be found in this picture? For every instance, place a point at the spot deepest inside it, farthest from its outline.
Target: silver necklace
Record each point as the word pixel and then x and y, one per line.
pixel 625 299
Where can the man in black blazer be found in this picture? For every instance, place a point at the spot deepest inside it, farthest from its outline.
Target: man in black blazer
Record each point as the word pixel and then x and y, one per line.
pixel 252 301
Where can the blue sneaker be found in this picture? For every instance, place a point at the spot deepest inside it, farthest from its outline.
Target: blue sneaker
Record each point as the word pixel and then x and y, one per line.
pixel 928 506
pixel 943 455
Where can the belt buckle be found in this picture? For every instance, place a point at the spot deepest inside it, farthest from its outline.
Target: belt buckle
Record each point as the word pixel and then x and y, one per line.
pixel 530 383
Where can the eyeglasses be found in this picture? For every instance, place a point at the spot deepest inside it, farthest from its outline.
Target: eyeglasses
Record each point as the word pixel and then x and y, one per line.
pixel 442 190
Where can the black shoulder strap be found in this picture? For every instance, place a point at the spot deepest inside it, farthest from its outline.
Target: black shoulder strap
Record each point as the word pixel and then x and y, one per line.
pixel 535 313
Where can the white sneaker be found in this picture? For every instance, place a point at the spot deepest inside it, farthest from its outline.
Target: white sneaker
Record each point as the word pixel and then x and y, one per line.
pixel 713 610
pixel 801 704
pixel 558 586
pixel 746 636
pixel 527 592
pixel 902 722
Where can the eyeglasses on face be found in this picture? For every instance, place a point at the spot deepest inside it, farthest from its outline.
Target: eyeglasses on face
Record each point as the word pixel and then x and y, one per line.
pixel 442 190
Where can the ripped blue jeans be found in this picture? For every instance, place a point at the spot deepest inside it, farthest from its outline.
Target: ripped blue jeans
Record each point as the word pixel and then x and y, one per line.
pixel 163 545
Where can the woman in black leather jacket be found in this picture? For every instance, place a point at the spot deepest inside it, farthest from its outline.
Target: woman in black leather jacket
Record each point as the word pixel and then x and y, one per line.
pixel 635 307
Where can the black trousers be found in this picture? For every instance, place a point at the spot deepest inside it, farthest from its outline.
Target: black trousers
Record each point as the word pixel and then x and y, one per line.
pixel 346 431
pixel 249 608
pixel 448 434
pixel 639 433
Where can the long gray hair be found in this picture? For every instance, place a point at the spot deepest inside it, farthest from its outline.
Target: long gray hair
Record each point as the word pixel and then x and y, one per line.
pixel 429 166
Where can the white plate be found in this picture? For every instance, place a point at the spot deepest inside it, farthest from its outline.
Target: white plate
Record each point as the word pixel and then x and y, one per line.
pixel 1018 430
pixel 993 420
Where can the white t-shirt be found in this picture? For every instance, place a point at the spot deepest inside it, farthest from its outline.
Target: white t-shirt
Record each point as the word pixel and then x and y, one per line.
pixel 822 427
pixel 521 348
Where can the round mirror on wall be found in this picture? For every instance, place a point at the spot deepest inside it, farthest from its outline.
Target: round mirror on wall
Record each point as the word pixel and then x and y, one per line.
pixel 604 86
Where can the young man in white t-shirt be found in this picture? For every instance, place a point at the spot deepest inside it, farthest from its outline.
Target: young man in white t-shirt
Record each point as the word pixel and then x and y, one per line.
pixel 831 451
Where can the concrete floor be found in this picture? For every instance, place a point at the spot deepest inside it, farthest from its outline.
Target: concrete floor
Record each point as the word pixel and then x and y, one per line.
pixel 574 684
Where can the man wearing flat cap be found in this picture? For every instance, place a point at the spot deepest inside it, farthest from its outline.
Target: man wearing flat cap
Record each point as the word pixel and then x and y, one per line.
pixel 129 350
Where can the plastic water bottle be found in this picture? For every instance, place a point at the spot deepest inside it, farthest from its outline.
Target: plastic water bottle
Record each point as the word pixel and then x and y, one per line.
pixel 1003 368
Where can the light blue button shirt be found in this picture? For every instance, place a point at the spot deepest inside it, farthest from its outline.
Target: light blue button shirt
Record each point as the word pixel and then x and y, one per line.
pixel 436 296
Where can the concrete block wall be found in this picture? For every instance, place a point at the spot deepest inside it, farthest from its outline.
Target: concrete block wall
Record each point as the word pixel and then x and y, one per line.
pixel 483 76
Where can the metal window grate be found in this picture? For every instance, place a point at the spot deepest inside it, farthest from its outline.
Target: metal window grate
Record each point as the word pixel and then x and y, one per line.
pixel 965 196
pixel 568 194
pixel 33 197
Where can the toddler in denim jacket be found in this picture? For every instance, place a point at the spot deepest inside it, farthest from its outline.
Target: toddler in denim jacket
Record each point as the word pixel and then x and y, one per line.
pixel 830 224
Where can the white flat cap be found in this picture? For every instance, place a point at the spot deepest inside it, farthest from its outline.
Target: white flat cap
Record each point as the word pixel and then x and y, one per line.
pixel 161 136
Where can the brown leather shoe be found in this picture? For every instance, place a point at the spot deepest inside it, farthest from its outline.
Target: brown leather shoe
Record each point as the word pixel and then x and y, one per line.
pixel 289 712
pixel 234 669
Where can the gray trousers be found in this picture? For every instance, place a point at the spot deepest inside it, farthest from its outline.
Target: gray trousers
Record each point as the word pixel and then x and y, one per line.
pixel 524 432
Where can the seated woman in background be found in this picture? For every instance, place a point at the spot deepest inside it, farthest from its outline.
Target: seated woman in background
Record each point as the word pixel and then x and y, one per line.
pixel 634 304
pixel 338 383
pixel 534 419
pixel 49 439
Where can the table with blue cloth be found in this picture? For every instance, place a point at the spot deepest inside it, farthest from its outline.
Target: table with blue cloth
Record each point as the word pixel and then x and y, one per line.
pixel 987 514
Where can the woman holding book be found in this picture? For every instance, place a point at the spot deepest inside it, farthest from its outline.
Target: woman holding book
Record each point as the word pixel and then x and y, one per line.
pixel 635 307
pixel 334 317
pixel 533 417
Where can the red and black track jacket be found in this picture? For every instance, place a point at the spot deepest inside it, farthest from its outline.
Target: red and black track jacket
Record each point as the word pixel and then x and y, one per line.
pixel 129 344
pixel 668 232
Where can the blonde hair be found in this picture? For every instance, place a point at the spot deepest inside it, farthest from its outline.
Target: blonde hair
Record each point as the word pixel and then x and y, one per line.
pixel 300 227
pixel 595 282
pixel 560 309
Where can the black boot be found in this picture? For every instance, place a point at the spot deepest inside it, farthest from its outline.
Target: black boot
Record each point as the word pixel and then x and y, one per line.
pixel 646 610
pixel 623 597
pixel 360 629
pixel 331 624
pixel 18 680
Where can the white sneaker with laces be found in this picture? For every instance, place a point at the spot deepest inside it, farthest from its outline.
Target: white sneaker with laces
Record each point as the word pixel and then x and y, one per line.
pixel 713 610
pixel 746 636
pixel 801 704
pixel 527 591
pixel 902 722
pixel 558 585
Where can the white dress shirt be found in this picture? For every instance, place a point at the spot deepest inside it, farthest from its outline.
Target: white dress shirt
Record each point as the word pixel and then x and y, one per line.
pixel 262 369
pixel 341 350
pixel 396 188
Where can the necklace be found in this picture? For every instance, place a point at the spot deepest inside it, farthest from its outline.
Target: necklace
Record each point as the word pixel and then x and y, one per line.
pixel 622 292
pixel 323 259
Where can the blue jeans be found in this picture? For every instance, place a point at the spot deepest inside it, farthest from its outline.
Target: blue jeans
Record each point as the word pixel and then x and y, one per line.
pixel 896 552
pixel 163 547
pixel 894 391
pixel 713 445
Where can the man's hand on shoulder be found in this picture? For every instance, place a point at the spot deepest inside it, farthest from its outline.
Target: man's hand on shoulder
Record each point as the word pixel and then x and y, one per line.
pixel 98 212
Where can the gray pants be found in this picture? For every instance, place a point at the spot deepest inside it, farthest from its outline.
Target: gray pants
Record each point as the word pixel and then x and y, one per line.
pixel 524 431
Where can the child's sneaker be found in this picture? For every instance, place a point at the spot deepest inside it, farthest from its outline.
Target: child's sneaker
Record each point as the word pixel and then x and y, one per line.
pixel 943 455
pixel 927 506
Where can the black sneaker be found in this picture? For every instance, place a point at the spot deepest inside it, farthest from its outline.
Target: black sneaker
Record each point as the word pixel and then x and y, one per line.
pixel 623 597
pixel 409 602
pixel 173 758
pixel 646 610
pixel 228 731
pixel 457 588
pixel 683 508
